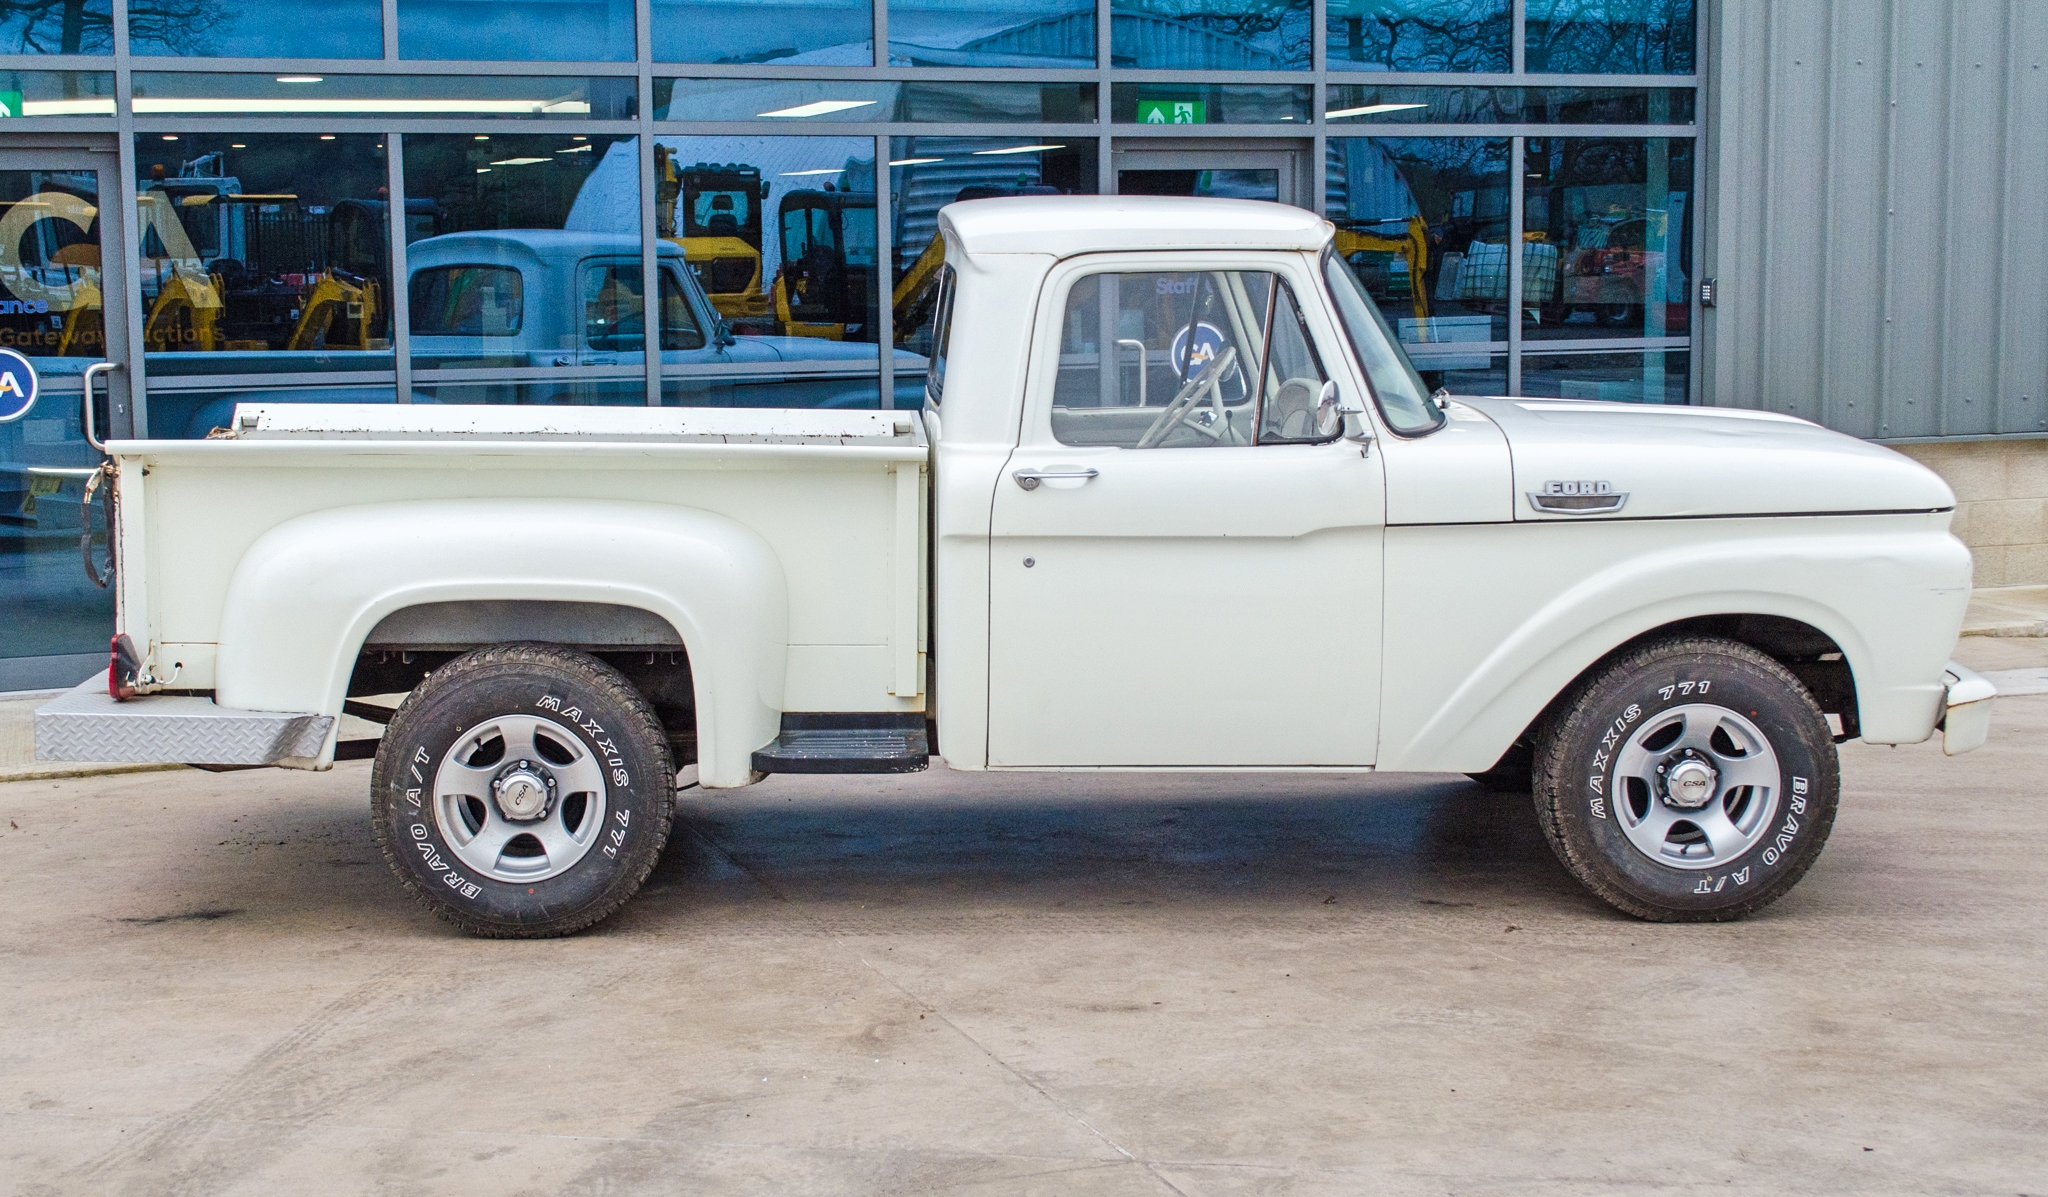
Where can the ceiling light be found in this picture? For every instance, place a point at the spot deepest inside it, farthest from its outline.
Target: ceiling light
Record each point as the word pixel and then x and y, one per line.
pixel 240 145
pixel 1019 149
pixel 1369 110
pixel 577 149
pixel 67 107
pixel 579 137
pixel 481 137
pixel 519 161
pixel 483 170
pixel 819 108
pixel 200 105
pixel 170 137
pixel 830 170
pixel 913 161
pixel 327 137
pixel 301 79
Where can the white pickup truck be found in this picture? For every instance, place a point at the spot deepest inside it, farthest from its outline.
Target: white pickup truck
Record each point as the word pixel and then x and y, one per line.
pixel 1175 501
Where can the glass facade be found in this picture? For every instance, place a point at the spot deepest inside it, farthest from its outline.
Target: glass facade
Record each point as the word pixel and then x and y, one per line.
pixel 466 204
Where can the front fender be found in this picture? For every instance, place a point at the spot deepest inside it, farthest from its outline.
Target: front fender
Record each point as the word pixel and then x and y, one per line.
pixel 1892 602
pixel 305 596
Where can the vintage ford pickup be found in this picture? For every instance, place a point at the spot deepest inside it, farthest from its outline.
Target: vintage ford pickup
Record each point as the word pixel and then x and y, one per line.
pixel 1175 501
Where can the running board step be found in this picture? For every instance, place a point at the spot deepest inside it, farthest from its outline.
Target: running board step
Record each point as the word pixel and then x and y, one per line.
pixel 848 742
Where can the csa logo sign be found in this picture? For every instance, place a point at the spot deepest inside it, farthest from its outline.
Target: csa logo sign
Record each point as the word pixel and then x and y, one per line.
pixel 17 386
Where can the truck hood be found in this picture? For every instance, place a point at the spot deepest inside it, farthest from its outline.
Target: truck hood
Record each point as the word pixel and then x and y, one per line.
pixel 1635 461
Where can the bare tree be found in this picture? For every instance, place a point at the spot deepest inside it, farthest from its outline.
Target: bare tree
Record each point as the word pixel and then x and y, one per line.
pixel 87 26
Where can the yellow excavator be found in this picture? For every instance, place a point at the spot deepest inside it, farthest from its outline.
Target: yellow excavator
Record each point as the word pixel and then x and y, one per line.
pixel 1410 245
pixel 340 312
pixel 714 212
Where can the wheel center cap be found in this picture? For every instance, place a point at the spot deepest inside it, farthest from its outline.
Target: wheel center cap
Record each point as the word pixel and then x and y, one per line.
pixel 523 793
pixel 1690 784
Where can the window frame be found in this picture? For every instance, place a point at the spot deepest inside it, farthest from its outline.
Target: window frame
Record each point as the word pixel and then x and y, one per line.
pixel 1295 269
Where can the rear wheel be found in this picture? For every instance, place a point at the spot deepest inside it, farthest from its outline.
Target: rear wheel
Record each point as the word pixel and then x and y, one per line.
pixel 523 791
pixel 1690 780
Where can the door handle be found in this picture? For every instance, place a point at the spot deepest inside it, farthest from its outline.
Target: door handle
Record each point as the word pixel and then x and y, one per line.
pixel 1029 479
pixel 85 421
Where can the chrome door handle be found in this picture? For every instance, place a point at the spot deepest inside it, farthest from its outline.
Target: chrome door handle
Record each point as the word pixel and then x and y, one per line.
pixel 85 421
pixel 1029 479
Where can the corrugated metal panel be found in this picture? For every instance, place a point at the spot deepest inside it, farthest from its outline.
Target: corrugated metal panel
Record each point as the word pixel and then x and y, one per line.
pixel 1880 171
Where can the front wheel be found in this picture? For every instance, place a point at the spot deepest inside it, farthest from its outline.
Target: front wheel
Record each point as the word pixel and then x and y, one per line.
pixel 523 791
pixel 1691 780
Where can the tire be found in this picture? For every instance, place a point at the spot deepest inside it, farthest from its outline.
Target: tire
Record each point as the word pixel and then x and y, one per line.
pixel 1512 773
pixel 545 834
pixel 1744 801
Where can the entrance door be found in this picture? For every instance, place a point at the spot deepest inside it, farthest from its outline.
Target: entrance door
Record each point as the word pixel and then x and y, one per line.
pixel 63 306
pixel 1156 167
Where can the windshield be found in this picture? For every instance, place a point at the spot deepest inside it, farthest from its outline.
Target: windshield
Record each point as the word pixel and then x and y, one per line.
pixel 1404 401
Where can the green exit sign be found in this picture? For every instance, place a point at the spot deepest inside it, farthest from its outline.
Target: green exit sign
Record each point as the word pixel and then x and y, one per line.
pixel 1172 112
pixel 10 103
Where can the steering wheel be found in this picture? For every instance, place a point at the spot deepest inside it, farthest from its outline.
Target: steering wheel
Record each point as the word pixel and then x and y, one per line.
pixel 1181 409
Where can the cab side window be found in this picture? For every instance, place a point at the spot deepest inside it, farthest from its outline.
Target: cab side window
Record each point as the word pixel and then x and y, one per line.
pixel 1193 359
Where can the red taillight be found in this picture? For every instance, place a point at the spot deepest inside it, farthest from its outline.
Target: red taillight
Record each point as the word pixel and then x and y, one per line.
pixel 124 665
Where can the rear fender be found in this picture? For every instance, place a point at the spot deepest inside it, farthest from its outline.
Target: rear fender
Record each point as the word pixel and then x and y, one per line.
pixel 305 596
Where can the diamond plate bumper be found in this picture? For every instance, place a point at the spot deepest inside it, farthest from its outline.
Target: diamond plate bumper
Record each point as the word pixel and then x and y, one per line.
pixel 88 725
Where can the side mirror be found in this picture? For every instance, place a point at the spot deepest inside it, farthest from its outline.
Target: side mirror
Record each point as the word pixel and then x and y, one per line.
pixel 722 335
pixel 1335 413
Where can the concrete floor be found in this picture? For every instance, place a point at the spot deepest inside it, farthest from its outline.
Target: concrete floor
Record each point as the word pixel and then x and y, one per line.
pixel 953 983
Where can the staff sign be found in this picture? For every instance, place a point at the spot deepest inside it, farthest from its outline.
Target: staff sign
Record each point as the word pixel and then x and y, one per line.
pixel 17 386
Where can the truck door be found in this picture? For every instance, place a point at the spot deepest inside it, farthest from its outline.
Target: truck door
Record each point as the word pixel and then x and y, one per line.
pixel 1185 565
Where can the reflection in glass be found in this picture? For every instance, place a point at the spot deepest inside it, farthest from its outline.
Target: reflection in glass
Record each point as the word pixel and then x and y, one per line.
pixel 1611 37
pixel 56 93
pixel 992 33
pixel 1423 223
pixel 524 257
pixel 520 30
pixel 1251 184
pixel 517 97
pixel 278 29
pixel 810 101
pixel 1367 104
pixel 927 173
pixel 1212 35
pixel 50 312
pixel 1208 103
pixel 816 32
pixel 261 254
pixel 1655 376
pixel 775 276
pixel 1607 228
pixel 80 27
pixel 1419 35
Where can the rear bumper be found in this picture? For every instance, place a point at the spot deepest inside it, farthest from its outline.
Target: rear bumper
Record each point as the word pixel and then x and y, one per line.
pixel 88 725
pixel 1966 714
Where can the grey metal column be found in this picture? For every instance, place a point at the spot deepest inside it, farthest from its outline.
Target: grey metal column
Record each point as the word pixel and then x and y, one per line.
pixel 1517 169
pixel 391 30
pixel 1105 153
pixel 1319 103
pixel 885 270
pixel 650 257
pixel 127 194
pixel 401 281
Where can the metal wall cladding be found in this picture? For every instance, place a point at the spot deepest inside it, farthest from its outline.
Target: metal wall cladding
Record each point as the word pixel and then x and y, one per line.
pixel 1879 172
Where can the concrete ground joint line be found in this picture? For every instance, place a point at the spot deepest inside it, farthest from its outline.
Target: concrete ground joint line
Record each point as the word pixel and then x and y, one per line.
pixel 920 1003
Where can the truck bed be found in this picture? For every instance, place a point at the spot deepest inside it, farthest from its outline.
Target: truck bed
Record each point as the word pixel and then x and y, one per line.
pixel 835 499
